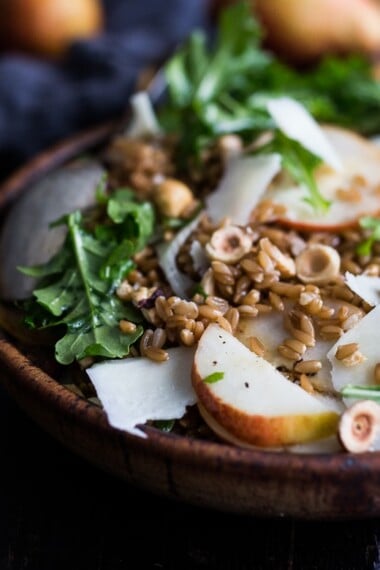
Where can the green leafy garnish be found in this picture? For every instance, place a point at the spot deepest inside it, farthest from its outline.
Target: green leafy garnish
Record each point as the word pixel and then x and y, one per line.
pixel 373 225
pixel 164 425
pixel 300 163
pixel 215 377
pixel 198 289
pixel 361 392
pixel 77 287
pixel 224 86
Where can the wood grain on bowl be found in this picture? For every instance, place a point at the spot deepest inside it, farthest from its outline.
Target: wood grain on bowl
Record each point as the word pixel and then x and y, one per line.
pixel 204 473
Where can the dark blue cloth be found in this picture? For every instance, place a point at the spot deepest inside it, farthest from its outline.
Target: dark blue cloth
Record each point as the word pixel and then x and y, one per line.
pixel 41 102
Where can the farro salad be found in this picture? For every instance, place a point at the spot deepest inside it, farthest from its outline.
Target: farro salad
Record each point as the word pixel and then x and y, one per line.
pixel 226 283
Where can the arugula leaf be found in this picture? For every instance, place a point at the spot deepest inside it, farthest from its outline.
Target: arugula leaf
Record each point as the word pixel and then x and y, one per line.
pixel 300 163
pixel 198 75
pixel 223 87
pixel 372 224
pixel 76 290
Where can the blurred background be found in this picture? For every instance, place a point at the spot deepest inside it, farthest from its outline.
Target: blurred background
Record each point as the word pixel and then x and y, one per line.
pixel 66 65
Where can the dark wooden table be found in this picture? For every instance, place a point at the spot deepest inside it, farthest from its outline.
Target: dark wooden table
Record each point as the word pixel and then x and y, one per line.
pixel 58 512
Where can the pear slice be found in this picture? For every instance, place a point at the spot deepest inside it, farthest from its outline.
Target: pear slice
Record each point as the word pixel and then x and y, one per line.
pixel 326 445
pixel 353 191
pixel 134 390
pixel 251 400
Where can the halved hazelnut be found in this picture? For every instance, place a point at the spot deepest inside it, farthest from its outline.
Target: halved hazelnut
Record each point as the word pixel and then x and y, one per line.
pixel 228 244
pixel 359 427
pixel 173 197
pixel 230 147
pixel 318 263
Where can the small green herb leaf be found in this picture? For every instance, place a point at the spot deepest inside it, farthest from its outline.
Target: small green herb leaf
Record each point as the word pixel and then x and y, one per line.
pixel 101 190
pixel 301 164
pixel 198 289
pixel 164 425
pixel 361 392
pixel 373 225
pixel 215 377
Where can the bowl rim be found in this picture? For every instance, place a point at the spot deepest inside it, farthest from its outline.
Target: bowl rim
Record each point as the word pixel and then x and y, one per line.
pixel 183 448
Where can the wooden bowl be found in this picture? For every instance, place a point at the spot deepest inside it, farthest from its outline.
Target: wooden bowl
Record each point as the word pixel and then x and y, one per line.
pixel 214 475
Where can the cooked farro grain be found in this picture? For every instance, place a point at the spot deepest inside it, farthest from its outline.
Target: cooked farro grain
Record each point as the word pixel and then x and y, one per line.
pixel 188 309
pixel 156 354
pixel 308 366
pixel 348 264
pixel 353 359
pixel 352 320
pixel 127 327
pixel 162 308
pixel 276 301
pixel 345 350
pixel 124 291
pixel 300 326
pixel 265 261
pixel 306 384
pixel 330 332
pixel 339 292
pixel 187 337
pixel 342 313
pixel 288 352
pixel 372 270
pixel 283 263
pixel 210 313
pixel 176 322
pixel 311 303
pixel 295 345
pixel 289 290
pixel 255 345
pixel 247 311
pixel 218 303
pixel 222 273
pixel 326 312
pixel 145 341
pixel 233 317
pixel 159 338
pixel 251 298
pixel 303 337
pixel 224 323
pixel 376 374
pixel 263 309
pixel 198 330
pixel 242 286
